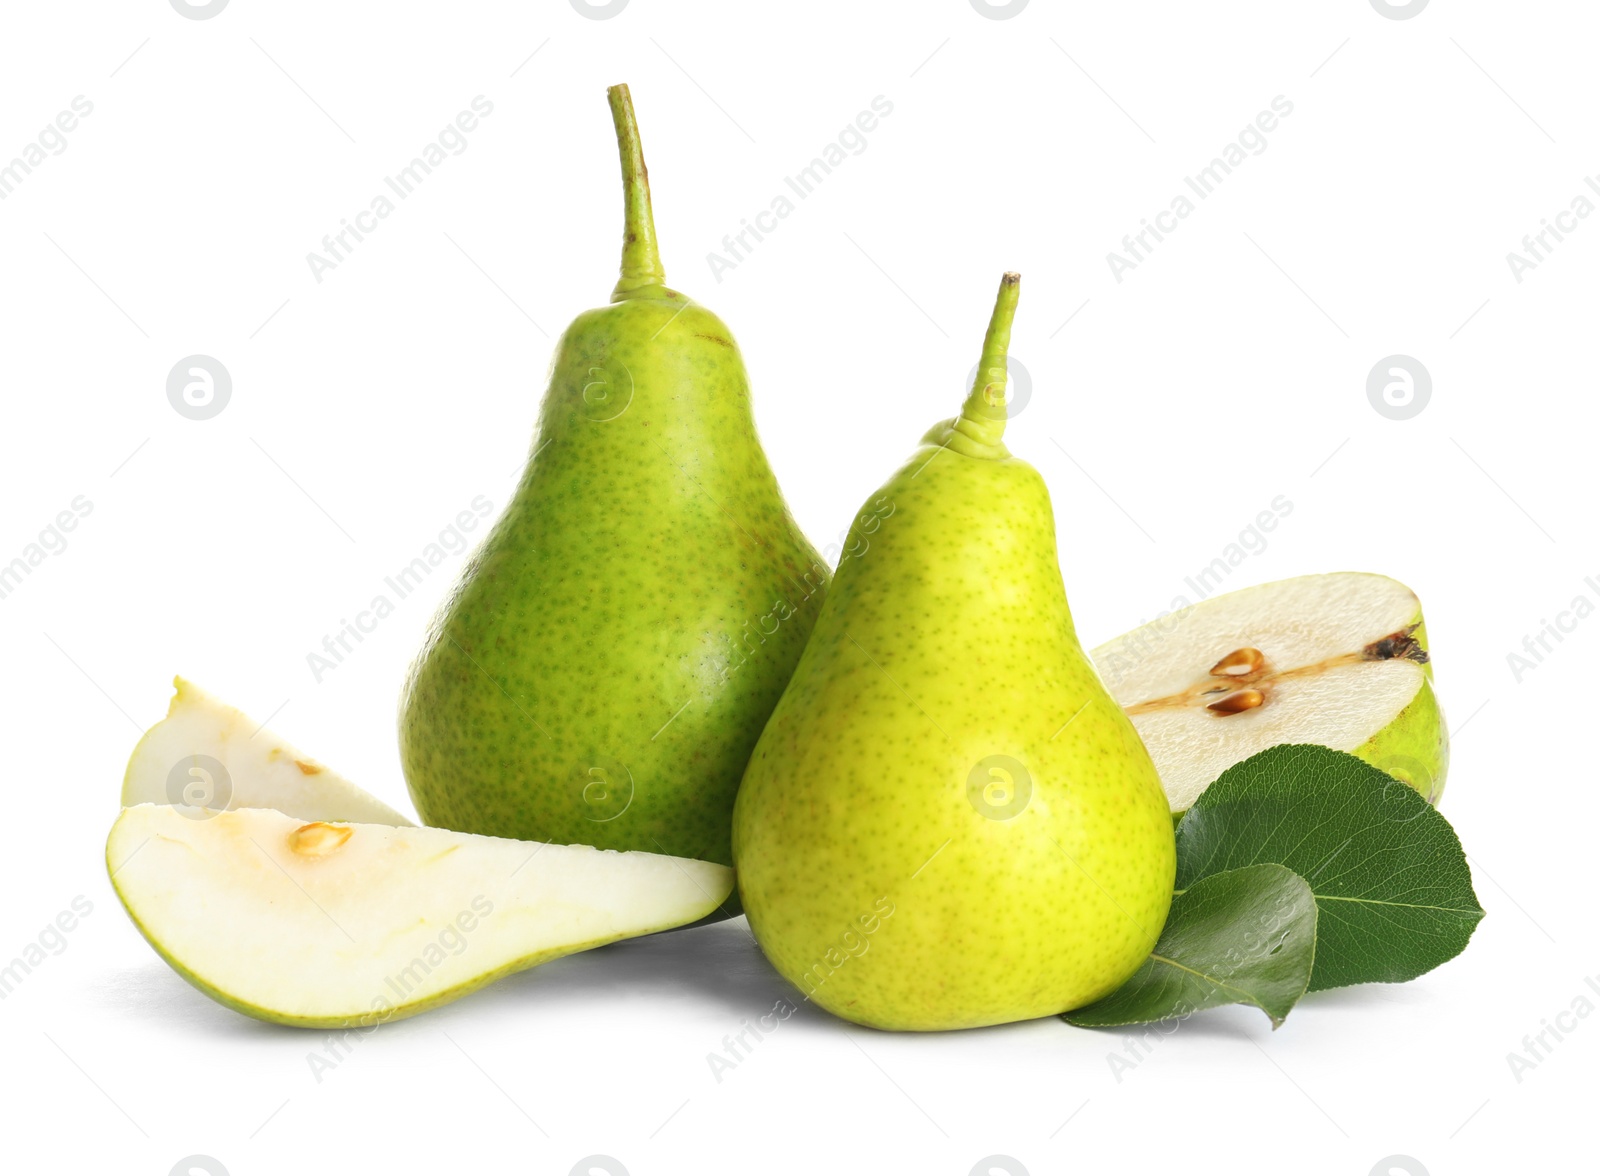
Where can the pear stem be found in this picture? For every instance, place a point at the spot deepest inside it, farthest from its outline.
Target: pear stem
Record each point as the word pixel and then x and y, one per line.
pixel 984 412
pixel 641 256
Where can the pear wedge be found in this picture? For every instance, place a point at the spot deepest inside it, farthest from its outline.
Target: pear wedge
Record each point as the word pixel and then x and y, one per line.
pixel 207 753
pixel 352 925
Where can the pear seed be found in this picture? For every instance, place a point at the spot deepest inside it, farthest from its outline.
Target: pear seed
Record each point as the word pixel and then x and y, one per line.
pixel 1238 702
pixel 318 839
pixel 1239 663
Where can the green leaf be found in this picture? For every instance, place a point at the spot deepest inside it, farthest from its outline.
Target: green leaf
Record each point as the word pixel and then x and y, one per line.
pixel 1245 936
pixel 1394 895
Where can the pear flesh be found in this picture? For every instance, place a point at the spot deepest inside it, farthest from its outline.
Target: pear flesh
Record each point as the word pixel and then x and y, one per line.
pixel 208 754
pixel 1339 660
pixel 352 925
pixel 948 822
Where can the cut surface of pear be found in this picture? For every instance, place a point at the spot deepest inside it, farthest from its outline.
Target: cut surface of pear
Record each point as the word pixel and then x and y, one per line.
pixel 1339 659
pixel 331 925
pixel 178 762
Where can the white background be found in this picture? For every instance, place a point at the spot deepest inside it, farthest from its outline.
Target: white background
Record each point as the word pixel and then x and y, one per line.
pixel 1228 368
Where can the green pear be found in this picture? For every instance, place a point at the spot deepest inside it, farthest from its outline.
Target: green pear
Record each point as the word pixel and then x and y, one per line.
pixel 207 753
pixel 606 663
pixel 1338 659
pixel 948 821
pixel 336 925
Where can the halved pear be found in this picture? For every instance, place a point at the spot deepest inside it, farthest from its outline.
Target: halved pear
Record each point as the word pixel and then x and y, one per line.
pixel 178 760
pixel 351 925
pixel 1339 659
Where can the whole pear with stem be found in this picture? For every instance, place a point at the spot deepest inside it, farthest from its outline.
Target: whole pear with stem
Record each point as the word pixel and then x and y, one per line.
pixel 948 822
pixel 606 663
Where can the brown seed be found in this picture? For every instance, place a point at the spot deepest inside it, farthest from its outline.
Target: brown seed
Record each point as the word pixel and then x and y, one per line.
pixel 1239 663
pixel 318 839
pixel 1237 702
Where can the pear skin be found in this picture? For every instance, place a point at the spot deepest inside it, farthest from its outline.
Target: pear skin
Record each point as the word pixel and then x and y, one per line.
pixel 948 822
pixel 606 663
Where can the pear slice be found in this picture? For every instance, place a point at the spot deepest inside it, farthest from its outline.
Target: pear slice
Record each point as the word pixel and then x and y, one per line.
pixel 1339 660
pixel 335 925
pixel 207 753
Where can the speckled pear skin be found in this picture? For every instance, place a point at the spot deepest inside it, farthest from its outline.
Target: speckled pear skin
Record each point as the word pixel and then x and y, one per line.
pixel 606 663
pixel 878 874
